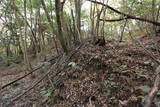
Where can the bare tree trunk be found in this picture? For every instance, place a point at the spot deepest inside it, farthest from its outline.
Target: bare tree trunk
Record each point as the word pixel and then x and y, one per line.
pixel 103 23
pixel 26 58
pixel 39 29
pixel 122 32
pixel 78 18
pixel 92 13
pixel 65 31
pixel 154 15
pixel 158 19
pixel 74 26
pixel 33 42
pixel 8 53
pixel 51 23
pixel 98 17
pixel 59 25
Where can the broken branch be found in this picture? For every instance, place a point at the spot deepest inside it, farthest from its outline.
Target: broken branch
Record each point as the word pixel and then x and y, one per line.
pixel 124 14
pixel 113 20
pixel 149 98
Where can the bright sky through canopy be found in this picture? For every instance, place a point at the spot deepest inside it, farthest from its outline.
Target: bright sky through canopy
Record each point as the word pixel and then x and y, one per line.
pixel 86 5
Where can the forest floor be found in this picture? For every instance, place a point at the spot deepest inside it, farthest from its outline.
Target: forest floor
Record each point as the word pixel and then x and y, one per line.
pixel 116 75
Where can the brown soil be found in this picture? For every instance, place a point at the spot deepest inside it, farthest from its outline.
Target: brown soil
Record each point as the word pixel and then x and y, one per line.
pixel 115 75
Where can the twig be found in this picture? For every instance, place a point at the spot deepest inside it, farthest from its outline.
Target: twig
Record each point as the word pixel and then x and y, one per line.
pixel 49 78
pixel 149 98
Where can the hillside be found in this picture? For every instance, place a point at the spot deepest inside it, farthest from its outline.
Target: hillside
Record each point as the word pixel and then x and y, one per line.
pixel 115 75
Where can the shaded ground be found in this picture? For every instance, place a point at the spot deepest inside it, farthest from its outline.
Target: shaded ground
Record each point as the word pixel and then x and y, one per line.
pixel 116 75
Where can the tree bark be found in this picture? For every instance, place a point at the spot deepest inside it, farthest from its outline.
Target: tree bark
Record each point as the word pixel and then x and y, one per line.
pixel 26 58
pixel 92 13
pixel 59 25
pixel 50 23
pixel 78 17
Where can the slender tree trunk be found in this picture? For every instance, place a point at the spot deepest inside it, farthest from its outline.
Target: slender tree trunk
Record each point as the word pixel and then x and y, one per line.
pixel 97 22
pixel 59 25
pixel 92 14
pixel 8 53
pixel 103 23
pixel 122 32
pixel 50 23
pixel 154 15
pixel 74 26
pixel 64 25
pixel 33 37
pixel 39 30
pixel 26 58
pixel 78 18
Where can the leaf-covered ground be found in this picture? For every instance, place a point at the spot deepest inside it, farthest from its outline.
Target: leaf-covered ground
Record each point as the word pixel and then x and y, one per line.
pixel 116 75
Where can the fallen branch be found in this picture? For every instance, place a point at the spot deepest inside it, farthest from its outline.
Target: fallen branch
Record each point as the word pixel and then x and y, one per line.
pixel 146 51
pixel 150 97
pixel 46 74
pixel 124 14
pixel 35 84
pixel 12 82
pixel 20 78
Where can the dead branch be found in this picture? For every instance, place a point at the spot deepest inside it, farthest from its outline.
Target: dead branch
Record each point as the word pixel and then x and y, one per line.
pixel 150 97
pixel 49 78
pixel 124 14
pixel 113 20
pixel 47 73
pixel 20 78
pixel 122 32
pixel 146 51
pixel 12 82
pixel 35 84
